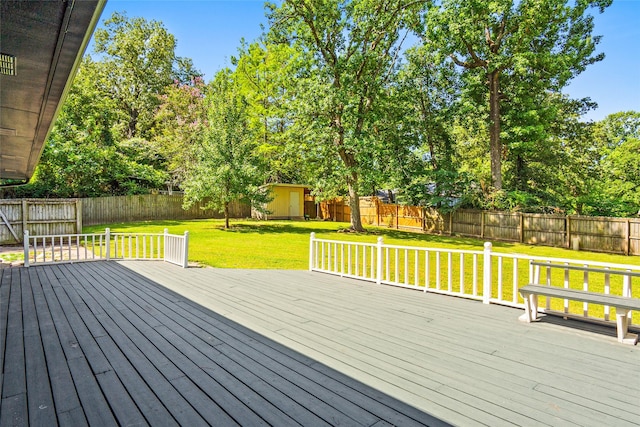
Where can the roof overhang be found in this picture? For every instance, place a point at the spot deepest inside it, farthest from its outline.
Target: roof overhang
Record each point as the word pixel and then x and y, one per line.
pixel 45 40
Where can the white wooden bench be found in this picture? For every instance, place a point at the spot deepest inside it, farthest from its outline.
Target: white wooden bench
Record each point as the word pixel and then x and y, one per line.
pixel 624 305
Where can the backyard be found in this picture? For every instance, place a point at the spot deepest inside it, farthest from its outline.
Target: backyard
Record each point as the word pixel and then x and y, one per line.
pixel 285 244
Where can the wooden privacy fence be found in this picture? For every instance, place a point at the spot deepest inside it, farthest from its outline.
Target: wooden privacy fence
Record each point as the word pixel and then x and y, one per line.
pixel 106 210
pixel 44 217
pixel 598 234
pixel 39 216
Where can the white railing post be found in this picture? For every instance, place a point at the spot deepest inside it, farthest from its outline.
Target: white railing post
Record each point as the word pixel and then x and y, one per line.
pixel 312 255
pixel 379 261
pixel 486 274
pixel 26 248
pixel 107 239
pixel 185 263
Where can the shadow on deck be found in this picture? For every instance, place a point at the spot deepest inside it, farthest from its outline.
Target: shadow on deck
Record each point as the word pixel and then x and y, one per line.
pixel 99 344
pixel 107 343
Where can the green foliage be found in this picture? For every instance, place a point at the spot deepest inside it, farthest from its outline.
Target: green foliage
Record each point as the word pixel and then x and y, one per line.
pixel 138 56
pixel 512 55
pixel 351 47
pixel 266 74
pixel 101 143
pixel 619 138
pixel 180 123
pixel 227 166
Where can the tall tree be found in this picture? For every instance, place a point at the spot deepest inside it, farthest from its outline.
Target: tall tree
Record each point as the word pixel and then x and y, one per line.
pixel 353 45
pixel 84 155
pixel 418 121
pixel 138 56
pixel 618 139
pixel 180 123
pixel 513 47
pixel 266 74
pixel 227 166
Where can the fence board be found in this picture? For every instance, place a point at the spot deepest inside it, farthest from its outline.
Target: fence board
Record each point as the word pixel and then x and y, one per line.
pixel 547 230
pixel 39 216
pixel 105 210
pixel 501 226
pixel 612 235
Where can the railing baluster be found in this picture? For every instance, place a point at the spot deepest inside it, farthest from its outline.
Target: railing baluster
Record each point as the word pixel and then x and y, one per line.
pixel 406 267
pixel 566 286
pixel 387 275
pixel 357 258
pixel 450 272
pixel 372 264
pixel 426 270
pixel 364 261
pixel 397 261
pixel 548 284
pixel 500 278
pixel 475 275
pixel 585 286
pixel 415 268
pixel 514 297
pixel 461 284
pixel 607 290
pixel 438 270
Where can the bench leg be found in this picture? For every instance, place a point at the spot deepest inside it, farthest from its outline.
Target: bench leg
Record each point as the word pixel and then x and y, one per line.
pixel 622 320
pixel 530 308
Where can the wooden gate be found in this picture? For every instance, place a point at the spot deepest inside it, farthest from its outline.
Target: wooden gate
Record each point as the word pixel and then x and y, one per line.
pixel 39 217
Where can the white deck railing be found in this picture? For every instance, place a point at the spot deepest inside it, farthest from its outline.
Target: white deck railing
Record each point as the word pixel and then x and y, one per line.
pixel 48 249
pixel 487 276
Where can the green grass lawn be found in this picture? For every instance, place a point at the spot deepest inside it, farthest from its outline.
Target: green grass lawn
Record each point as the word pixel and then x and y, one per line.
pixel 285 244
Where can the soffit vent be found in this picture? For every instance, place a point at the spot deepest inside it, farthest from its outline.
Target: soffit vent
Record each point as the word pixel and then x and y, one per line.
pixel 7 64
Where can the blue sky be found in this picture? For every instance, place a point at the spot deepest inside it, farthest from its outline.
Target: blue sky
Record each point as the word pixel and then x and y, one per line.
pixel 209 32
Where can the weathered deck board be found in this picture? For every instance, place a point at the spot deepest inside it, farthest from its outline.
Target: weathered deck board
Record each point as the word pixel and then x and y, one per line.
pixel 149 343
pixel 285 392
pixel 477 362
pixel 99 344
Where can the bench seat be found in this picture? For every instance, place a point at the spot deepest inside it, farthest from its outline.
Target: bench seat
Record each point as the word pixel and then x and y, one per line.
pixel 623 305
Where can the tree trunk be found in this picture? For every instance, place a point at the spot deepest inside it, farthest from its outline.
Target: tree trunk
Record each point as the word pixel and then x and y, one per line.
pixel 354 203
pixel 494 130
pixel 226 215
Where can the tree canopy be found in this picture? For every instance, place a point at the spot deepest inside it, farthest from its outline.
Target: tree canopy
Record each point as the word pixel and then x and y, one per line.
pixel 446 104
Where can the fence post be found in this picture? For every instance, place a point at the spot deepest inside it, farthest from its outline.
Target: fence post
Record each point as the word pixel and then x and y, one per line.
pixel 312 255
pixel 185 262
pixel 486 274
pixel 379 261
pixel 25 244
pixel 107 238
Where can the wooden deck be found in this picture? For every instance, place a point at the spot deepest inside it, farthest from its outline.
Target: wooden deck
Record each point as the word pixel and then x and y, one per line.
pixel 137 343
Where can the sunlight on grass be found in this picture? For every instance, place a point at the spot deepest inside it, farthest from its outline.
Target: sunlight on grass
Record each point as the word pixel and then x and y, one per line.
pixel 285 244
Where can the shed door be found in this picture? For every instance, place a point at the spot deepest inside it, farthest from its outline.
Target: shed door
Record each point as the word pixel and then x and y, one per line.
pixel 294 204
